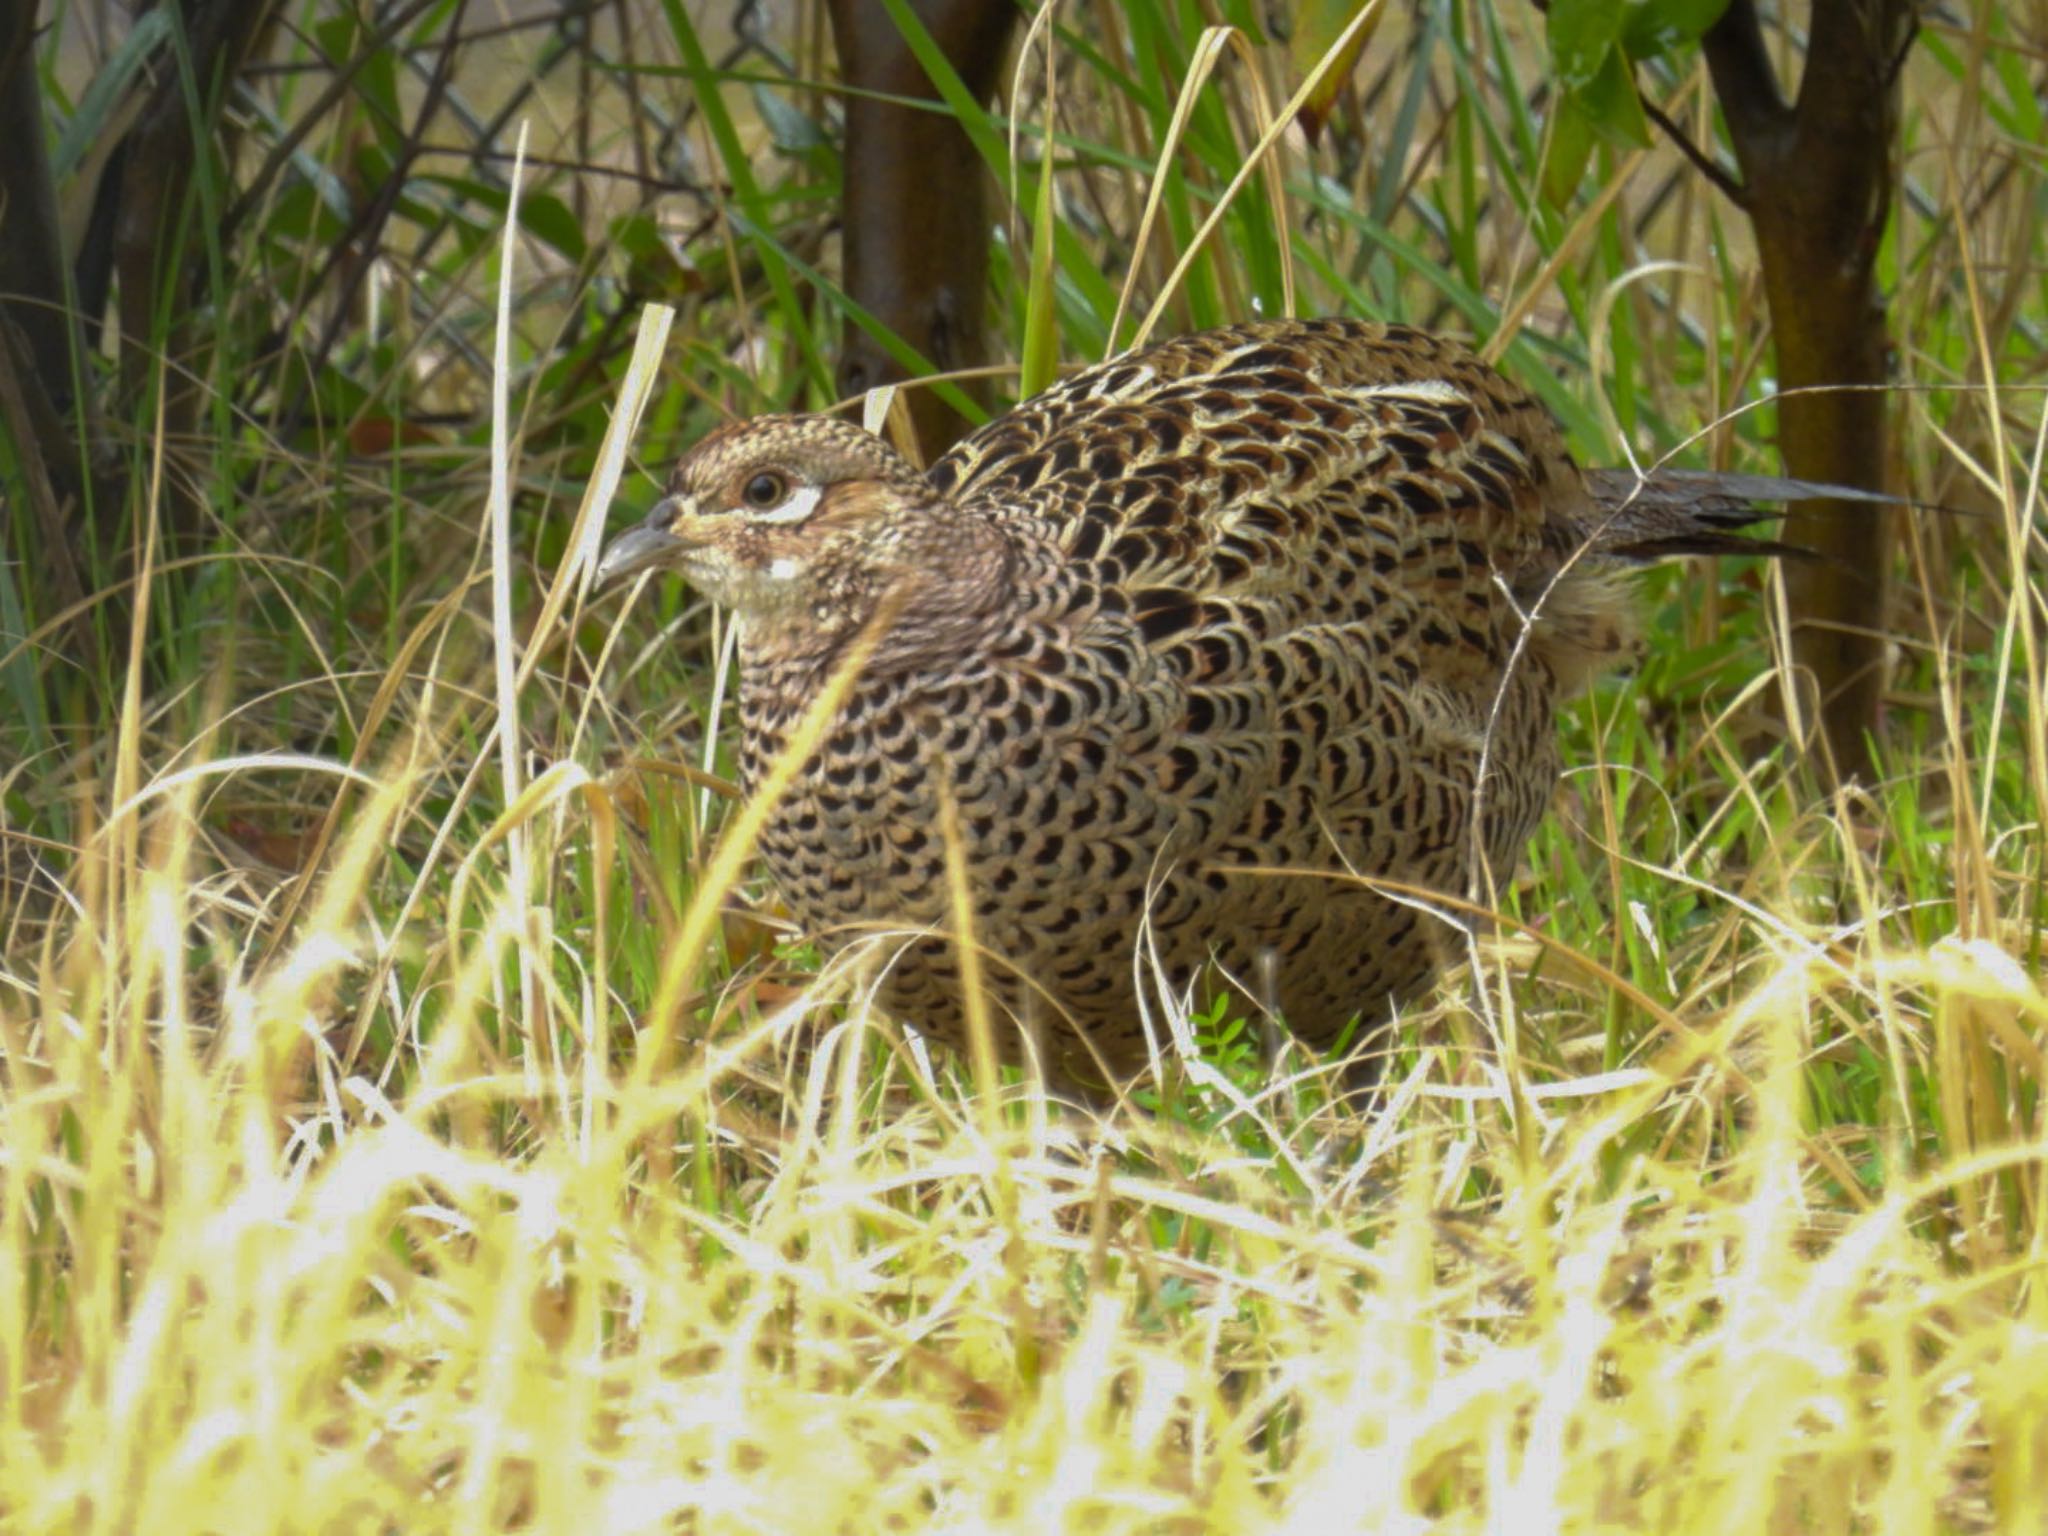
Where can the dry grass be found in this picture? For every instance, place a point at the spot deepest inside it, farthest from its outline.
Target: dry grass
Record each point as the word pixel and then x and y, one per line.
pixel 497 1173
pixel 542 1288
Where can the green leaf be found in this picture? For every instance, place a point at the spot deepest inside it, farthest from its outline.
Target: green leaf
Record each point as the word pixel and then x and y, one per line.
pixel 1317 26
pixel 1654 27
pixel 99 110
pixel 375 83
pixel 551 221
pixel 1041 352
pixel 299 213
pixel 19 656
pixel 1612 106
pixel 1244 15
pixel 1582 33
pixel 793 132
pixel 1565 154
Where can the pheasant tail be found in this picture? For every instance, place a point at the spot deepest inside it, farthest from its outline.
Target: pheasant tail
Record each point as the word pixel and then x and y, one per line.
pixel 1665 513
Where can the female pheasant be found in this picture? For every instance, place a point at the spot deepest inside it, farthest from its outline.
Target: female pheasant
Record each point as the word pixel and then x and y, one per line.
pixel 1202 642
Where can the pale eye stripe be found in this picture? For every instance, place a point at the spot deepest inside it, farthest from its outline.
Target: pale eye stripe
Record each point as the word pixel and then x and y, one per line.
pixel 801 503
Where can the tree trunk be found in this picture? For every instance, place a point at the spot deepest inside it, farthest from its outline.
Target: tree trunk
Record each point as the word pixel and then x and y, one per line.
pixel 39 333
pixel 159 247
pixel 31 255
pixel 914 223
pixel 1818 175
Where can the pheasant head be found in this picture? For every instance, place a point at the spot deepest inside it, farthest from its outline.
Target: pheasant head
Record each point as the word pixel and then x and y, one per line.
pixel 804 526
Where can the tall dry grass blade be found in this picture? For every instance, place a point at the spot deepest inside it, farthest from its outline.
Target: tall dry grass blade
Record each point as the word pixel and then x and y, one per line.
pixel 1040 354
pixel 2021 619
pixel 586 531
pixel 983 1055
pixel 504 643
pixel 1208 50
pixel 736 846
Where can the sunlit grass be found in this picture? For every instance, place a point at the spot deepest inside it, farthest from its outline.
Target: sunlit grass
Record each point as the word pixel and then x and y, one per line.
pixel 358 1174
pixel 782 1292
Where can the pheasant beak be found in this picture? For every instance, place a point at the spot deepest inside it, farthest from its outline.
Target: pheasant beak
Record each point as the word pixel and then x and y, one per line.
pixel 656 542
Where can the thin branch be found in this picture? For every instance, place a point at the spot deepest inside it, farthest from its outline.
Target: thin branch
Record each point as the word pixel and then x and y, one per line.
pixel 1906 42
pixel 1704 163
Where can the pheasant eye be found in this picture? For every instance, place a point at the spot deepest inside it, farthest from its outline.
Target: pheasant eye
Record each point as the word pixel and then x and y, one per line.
pixel 765 490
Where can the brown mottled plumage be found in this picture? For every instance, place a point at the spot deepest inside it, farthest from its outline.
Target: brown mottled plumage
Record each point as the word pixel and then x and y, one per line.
pixel 1247 599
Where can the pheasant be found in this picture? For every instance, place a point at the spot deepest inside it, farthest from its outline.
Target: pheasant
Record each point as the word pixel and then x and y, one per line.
pixel 1199 644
